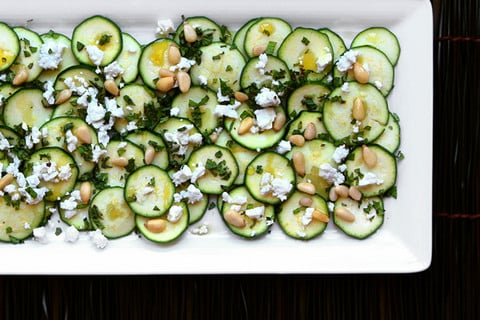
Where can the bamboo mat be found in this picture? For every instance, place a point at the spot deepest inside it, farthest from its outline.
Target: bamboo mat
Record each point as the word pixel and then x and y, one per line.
pixel 449 289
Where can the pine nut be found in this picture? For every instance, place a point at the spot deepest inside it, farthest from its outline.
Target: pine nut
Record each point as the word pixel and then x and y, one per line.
pixel 240 96
pixel 184 81
pixel 299 163
pixel 83 134
pixel 354 193
pixel 111 87
pixel 63 96
pixel 213 137
pixel 165 84
pixel 155 225
pixel 85 191
pixel 320 216
pixel 245 125
pixel 344 214
pixel 258 50
pixel 279 122
pixel 6 180
pixel 342 191
pixel 120 162
pixel 234 218
pixel 174 55
pixel 358 109
pixel 20 77
pixel 306 187
pixel 297 139
pixel 149 154
pixel 360 74
pixel 189 33
pixel 369 156
pixel 332 194
pixel 305 201
pixel 310 131
pixel 163 73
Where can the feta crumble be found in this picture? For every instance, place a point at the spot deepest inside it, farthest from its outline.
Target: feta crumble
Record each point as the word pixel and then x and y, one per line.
pixel 95 54
pixel 98 239
pixel 164 28
pixel 331 174
pixel 340 153
pixel 267 98
pixel 51 55
pixel 346 61
pixel 369 178
pixel 200 230
pixel 278 187
pixel 71 234
pixel 174 213
pixel 256 213
pixel 284 146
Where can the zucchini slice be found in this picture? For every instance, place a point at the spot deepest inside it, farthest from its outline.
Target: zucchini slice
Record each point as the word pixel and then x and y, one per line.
pixel 153 58
pixel 380 38
pixel 338 113
pixel 198 105
pixel 262 71
pixel 56 170
pixel 251 218
pixel 109 212
pixel 375 177
pixel 27 60
pixel 153 146
pixel 363 218
pixel 221 168
pixel 26 106
pixel 9 46
pixel 301 222
pixel 220 62
pixel 167 228
pixel 97 41
pixel 307 50
pixel 17 224
pixel 62 132
pixel 270 178
pixel 149 191
pixel 309 97
pixel 266 32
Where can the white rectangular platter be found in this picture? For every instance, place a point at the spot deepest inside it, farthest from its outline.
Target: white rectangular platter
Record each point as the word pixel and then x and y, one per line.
pixel 402 245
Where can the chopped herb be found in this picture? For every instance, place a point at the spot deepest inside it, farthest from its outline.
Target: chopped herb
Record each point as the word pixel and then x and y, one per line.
pixel 218 154
pixel 58 231
pixel 104 39
pixel 97 217
pixel 128 100
pixel 80 46
pixel 305 41
pixel 271 47
pixel 67 126
pixel 211 206
pixel 259 169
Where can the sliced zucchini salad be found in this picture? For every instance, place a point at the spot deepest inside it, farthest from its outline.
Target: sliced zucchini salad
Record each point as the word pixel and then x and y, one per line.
pixel 274 124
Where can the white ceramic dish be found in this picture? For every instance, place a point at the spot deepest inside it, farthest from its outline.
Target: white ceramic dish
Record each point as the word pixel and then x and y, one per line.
pixel 402 245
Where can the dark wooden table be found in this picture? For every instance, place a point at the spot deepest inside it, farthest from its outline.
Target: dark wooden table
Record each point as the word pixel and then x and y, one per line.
pixel 449 289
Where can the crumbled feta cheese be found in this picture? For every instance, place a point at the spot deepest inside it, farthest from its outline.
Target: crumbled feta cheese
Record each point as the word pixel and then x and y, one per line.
pixel 236 207
pixel 346 87
pixel 164 28
pixel 369 178
pixel 346 61
pixel 197 172
pixel 184 65
pixel 340 153
pixel 71 234
pixel 307 216
pixel 33 137
pixel 51 54
pixel 98 239
pixel 48 92
pixel 229 111
pixel 201 230
pixel 255 213
pixel 331 206
pixel 331 174
pixel 267 98
pixel 220 97
pixel 69 205
pixel 97 152
pixel 240 200
pixel 40 234
pixel 71 140
pixel 203 80
pixel 3 77
pixel 192 194
pixel 95 54
pixel 131 126
pixel 378 84
pixel 174 213
pixel 301 233
pixel 277 186
pixel 262 63
pixel 182 175
pixel 264 118
pixel 342 167
pixel 113 70
pixel 356 126
pixel 27 226
pixel 181 139
pixel 65 172
pixel 324 60
pixel 174 112
pixel 4 143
